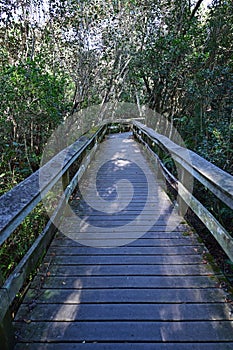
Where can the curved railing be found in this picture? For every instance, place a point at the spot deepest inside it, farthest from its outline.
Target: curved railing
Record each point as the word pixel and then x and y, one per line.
pixel 18 203
pixel 190 165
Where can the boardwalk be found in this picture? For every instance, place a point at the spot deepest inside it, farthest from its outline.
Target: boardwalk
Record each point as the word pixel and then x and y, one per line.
pixel 124 271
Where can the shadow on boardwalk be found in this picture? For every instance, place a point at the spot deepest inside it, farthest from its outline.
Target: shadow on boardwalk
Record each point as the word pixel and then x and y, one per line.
pixel 137 280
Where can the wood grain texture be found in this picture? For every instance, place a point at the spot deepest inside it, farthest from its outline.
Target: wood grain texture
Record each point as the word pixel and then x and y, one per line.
pixel 128 346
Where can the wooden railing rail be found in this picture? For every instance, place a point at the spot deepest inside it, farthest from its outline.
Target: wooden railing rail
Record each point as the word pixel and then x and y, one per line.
pixel 189 165
pixel 16 204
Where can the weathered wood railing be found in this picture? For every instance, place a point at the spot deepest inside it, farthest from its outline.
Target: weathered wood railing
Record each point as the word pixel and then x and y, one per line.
pixel 16 204
pixel 189 165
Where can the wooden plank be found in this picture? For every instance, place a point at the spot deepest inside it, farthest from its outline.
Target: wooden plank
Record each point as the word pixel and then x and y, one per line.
pixel 124 259
pixel 126 270
pixel 153 234
pixel 159 236
pixel 126 312
pixel 112 221
pixel 138 202
pixel 137 196
pixel 175 242
pixel 72 228
pixel 130 210
pixel 175 281
pixel 129 346
pixel 136 207
pixel 115 241
pixel 179 250
pixel 127 331
pixel 127 295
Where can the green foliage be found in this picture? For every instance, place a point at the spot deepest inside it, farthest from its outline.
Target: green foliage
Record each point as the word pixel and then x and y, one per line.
pixel 13 250
pixel 32 105
pixel 184 71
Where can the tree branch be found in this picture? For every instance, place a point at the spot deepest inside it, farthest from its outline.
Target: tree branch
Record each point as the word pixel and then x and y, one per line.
pixel 196 8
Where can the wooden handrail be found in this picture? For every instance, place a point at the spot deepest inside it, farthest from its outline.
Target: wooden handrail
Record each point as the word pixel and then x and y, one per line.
pixel 16 204
pixel 213 178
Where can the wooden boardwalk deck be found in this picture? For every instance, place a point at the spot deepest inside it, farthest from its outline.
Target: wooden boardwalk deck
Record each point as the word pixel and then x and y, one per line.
pixel 124 272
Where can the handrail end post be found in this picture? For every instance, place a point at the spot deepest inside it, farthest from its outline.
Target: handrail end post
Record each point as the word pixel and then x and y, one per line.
pixel 181 206
pixel 65 179
pixel 7 332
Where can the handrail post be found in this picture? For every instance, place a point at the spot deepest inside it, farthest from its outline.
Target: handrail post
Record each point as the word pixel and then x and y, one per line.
pixel 65 184
pixel 65 179
pixel 7 333
pixel 7 337
pixel 184 179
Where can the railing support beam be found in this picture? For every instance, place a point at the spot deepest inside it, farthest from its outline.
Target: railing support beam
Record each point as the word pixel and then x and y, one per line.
pixel 7 338
pixel 65 179
pixel 7 333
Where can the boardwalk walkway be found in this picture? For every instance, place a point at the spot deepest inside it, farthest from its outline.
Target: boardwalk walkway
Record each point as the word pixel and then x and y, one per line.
pixel 124 271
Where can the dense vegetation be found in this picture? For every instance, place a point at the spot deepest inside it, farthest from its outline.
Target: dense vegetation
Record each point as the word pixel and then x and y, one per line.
pixel 60 56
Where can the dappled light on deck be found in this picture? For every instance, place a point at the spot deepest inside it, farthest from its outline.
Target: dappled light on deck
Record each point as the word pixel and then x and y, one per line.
pixel 124 271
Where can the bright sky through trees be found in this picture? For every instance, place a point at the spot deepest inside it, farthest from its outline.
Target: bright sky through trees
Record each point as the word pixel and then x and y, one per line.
pixel 56 60
pixel 207 2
